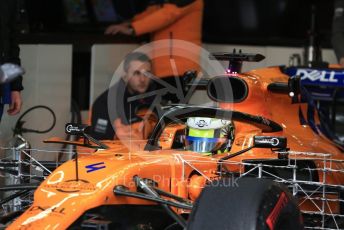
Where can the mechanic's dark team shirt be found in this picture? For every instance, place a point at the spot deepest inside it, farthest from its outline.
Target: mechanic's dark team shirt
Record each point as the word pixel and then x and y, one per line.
pixel 104 112
pixel 9 49
pixel 338 28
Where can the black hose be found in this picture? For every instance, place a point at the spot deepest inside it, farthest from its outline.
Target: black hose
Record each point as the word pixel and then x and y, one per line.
pixel 19 124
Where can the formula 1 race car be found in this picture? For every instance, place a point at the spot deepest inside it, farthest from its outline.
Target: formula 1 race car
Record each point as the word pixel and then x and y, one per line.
pixel 267 171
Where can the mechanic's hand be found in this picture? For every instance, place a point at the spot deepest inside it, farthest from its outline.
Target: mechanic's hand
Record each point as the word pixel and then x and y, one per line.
pixel 16 103
pixel 149 120
pixel 341 62
pixel 123 28
pixel 147 115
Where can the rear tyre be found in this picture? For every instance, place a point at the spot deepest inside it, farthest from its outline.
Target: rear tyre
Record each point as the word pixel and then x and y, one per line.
pixel 337 223
pixel 247 203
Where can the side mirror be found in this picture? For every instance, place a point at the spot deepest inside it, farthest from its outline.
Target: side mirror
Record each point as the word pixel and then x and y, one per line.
pixel 83 131
pixel 262 142
pixel 270 142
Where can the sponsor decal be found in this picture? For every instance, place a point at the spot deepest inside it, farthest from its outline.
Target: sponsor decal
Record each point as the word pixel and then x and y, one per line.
pixel 101 125
pixel 55 210
pixel 56 177
pixel 224 122
pixel 75 129
pixel 318 76
pixel 265 121
pixel 70 128
pixel 95 167
pixel 273 216
pixel 201 123
pixel 272 141
pixel 72 186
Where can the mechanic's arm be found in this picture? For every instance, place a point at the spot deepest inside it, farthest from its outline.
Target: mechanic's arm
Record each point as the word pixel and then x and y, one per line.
pixel 126 132
pixel 138 130
pixel 161 18
pixel 148 11
pixel 133 131
pixel 125 27
pixel 13 57
pixel 338 31
pixel 148 22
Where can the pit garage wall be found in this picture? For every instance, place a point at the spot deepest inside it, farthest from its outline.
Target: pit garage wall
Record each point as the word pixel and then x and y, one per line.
pixel 106 58
pixel 48 82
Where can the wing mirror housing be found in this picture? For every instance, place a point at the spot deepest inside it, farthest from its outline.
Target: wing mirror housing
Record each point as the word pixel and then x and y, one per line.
pixel 270 142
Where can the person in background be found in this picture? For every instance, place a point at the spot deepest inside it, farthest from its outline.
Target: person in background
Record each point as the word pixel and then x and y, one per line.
pixel 129 113
pixel 168 19
pixel 338 31
pixel 9 53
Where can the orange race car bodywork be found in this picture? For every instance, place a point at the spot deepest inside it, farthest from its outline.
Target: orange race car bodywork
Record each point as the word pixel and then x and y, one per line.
pixel 61 200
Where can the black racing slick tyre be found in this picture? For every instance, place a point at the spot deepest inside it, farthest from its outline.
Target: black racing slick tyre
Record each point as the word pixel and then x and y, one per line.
pixel 246 203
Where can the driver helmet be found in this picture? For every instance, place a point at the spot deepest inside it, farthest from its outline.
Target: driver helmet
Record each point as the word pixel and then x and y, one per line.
pixel 208 135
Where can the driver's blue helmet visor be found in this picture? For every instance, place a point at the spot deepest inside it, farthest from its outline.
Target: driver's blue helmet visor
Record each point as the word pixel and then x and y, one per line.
pixel 203 144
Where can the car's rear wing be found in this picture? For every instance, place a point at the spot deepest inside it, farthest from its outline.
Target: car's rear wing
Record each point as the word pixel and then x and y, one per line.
pixel 322 84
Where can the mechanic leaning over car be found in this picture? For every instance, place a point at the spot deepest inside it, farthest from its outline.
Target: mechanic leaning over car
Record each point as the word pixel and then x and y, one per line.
pixel 167 20
pixel 338 30
pixel 126 106
pixel 9 53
